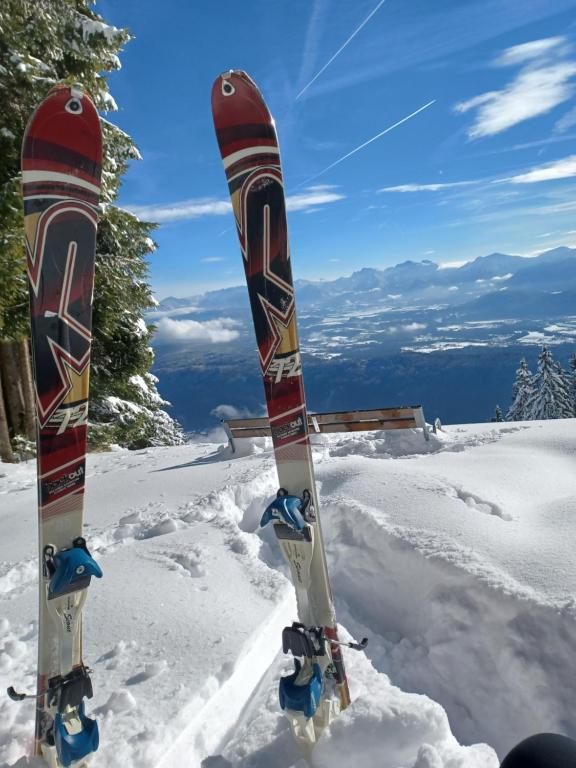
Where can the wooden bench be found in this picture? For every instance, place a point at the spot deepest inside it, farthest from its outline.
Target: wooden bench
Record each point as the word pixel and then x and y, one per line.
pixel 407 417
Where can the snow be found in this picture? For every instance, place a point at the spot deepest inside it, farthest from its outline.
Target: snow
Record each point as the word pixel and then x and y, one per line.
pixel 455 557
pixel 91 27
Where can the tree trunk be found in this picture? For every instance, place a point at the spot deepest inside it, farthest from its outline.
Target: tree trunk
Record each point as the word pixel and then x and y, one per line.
pixel 11 385
pixel 5 447
pixel 27 389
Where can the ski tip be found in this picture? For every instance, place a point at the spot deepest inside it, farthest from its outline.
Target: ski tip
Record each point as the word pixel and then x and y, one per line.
pixel 235 93
pixel 65 124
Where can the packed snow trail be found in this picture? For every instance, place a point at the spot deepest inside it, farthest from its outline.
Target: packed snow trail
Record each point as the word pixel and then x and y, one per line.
pixel 186 663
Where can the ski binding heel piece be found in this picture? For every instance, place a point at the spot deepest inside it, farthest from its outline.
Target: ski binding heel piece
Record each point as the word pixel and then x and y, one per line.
pixel 70 570
pixel 288 509
pixel 75 735
pixel 300 640
pixel 302 690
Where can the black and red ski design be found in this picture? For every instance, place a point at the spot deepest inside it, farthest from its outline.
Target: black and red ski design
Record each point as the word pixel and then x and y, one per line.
pixel 246 135
pixel 61 172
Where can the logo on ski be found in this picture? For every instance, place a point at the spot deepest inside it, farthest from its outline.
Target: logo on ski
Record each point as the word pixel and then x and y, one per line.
pixel 68 418
pixel 64 482
pixel 284 367
pixel 294 428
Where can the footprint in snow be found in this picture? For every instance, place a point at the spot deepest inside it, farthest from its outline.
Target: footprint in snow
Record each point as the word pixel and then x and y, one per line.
pixel 118 701
pixel 190 562
pixel 150 670
pixel 478 504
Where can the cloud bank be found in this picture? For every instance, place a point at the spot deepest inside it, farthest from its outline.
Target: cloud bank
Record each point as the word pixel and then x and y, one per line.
pixel 220 331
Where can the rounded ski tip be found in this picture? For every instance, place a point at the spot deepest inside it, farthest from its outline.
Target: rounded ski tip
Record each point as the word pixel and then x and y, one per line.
pixel 67 119
pixel 236 99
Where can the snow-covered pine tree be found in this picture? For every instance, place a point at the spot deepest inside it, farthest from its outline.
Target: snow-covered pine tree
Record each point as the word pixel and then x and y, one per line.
pixel 573 383
pixel 522 392
pixel 43 42
pixel 497 414
pixel 565 402
pixel 550 399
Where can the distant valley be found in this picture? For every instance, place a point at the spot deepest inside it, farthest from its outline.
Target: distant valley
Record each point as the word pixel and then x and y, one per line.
pixel 447 338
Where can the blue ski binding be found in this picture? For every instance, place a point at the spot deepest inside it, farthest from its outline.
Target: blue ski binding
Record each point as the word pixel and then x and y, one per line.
pixel 305 696
pixel 72 747
pixel 287 509
pixel 70 569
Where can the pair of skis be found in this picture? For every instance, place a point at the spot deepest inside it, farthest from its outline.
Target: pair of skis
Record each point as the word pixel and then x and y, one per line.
pixel 61 171
pixel 318 689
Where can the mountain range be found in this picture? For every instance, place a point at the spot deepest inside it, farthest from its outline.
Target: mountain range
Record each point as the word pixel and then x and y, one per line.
pixel 449 338
pixel 525 281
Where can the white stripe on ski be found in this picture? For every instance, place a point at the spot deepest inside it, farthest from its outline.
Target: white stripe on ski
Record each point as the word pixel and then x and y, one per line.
pixel 286 413
pixel 242 153
pixel 59 468
pixel 28 177
pixel 55 197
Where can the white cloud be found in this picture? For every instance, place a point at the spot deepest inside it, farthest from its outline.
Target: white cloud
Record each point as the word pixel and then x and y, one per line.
pixel 543 83
pixel 311 197
pixel 427 187
pixel 559 169
pixel 534 92
pixel 218 331
pixel 195 209
pixel 566 122
pixel 212 259
pixel 225 411
pixel 535 49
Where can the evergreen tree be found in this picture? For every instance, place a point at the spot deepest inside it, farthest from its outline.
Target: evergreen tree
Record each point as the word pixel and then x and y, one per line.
pixel 573 383
pixel 565 403
pixel 522 392
pixel 43 42
pixel 550 397
pixel 497 414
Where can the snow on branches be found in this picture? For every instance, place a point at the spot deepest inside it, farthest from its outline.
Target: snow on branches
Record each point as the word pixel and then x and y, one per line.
pixel 550 393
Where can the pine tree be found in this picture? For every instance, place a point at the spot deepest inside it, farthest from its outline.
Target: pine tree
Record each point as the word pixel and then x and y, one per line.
pixel 43 42
pixel 522 392
pixel 550 398
pixel 565 404
pixel 573 383
pixel 497 414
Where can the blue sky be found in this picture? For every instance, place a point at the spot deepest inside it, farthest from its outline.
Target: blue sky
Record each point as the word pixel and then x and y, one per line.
pixel 489 165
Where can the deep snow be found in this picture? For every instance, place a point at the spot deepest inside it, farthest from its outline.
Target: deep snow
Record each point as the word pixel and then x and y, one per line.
pixel 455 557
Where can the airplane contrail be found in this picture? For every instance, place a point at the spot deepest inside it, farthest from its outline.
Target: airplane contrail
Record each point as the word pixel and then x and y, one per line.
pixel 339 51
pixel 365 144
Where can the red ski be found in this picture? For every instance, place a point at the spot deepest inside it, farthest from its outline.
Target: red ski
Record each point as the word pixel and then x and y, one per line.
pixel 246 135
pixel 61 169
